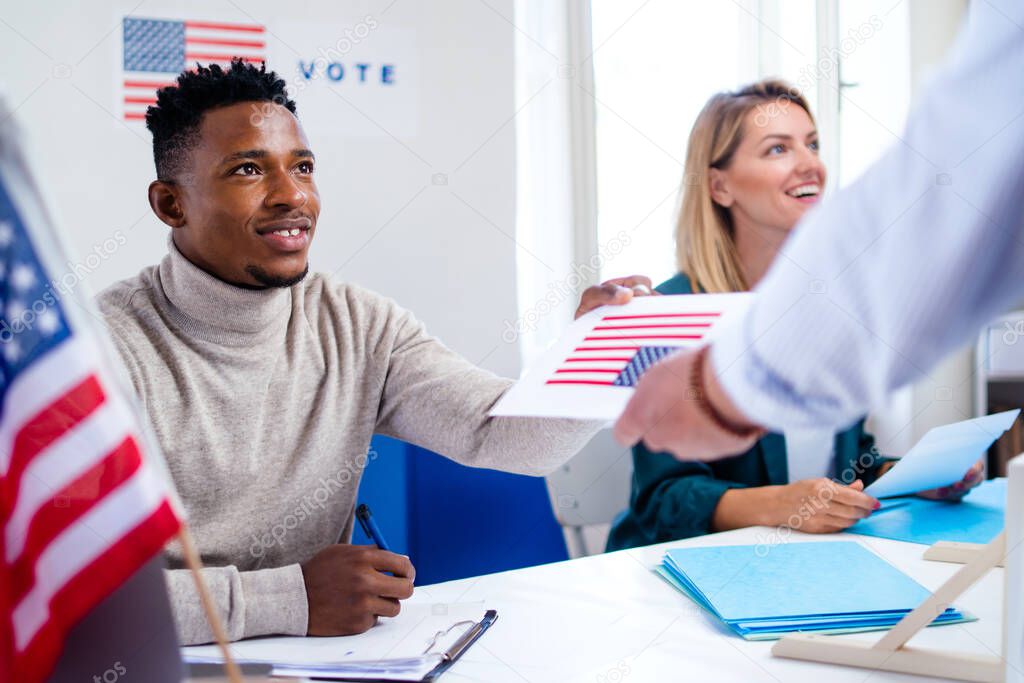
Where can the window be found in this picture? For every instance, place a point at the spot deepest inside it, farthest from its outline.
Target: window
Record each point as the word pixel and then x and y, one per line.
pixel 608 90
pixel 874 37
pixel 656 63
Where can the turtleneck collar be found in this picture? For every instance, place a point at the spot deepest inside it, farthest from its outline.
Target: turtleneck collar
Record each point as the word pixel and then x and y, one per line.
pixel 217 311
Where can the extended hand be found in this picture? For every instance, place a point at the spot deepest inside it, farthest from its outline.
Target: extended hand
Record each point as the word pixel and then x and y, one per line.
pixel 346 590
pixel 665 412
pixel 615 292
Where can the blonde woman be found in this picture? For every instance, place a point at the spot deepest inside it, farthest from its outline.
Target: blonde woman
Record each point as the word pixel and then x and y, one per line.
pixel 752 170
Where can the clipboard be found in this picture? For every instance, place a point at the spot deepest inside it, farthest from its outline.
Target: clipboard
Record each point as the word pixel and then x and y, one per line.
pixel 448 656
pixel 452 654
pixel 412 666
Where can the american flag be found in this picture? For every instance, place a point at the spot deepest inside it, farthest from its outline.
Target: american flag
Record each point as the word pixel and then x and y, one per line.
pixel 157 50
pixel 80 508
pixel 620 348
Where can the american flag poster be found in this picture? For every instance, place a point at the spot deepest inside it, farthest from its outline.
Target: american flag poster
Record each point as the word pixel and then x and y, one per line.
pixel 155 51
pixel 591 371
pixel 620 347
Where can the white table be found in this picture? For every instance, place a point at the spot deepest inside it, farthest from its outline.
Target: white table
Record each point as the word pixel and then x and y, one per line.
pixel 608 618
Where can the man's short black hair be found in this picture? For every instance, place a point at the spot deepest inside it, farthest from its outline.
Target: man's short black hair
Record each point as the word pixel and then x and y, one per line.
pixel 174 120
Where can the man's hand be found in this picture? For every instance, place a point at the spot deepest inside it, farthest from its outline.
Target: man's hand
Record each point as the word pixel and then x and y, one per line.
pixel 958 490
pixel 346 590
pixel 616 292
pixel 665 412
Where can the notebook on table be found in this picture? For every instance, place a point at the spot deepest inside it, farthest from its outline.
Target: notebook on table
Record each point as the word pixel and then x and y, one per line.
pixel 764 592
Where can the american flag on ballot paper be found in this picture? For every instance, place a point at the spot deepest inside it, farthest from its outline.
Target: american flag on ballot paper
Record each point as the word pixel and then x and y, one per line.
pixel 620 348
pixel 157 50
pixel 81 510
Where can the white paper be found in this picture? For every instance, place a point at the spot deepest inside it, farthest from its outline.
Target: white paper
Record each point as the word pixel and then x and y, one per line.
pixel 942 456
pixel 395 649
pixel 677 321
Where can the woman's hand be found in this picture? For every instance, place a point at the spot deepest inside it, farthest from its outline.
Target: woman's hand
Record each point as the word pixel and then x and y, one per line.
pixel 616 292
pixel 814 506
pixel 822 506
pixel 958 490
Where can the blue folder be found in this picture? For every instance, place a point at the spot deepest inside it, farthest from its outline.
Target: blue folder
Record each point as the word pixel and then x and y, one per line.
pixel 978 518
pixel 768 591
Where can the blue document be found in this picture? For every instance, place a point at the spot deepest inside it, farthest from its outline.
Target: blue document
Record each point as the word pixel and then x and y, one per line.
pixel 942 456
pixel 978 518
pixel 760 591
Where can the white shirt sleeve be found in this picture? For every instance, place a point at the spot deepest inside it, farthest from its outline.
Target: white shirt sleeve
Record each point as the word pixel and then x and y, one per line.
pixel 887 277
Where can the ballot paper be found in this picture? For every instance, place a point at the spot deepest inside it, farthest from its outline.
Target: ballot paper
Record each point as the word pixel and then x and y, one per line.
pixel 405 648
pixel 765 592
pixel 942 456
pixel 591 371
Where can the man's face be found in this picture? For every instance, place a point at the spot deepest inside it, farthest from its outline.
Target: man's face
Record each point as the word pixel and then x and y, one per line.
pixel 247 196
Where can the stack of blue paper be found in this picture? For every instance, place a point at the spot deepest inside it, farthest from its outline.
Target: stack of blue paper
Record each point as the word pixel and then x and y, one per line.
pixel 764 592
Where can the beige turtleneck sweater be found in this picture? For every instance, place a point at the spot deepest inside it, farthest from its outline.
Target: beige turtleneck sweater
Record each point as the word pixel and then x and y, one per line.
pixel 264 402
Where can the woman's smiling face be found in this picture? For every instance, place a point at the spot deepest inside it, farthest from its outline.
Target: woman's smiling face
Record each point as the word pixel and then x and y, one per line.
pixel 775 174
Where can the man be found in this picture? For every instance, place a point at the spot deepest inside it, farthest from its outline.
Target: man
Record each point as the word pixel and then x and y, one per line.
pixel 897 270
pixel 264 384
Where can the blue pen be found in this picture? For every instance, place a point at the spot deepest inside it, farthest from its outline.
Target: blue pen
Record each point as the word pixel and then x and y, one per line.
pixel 370 527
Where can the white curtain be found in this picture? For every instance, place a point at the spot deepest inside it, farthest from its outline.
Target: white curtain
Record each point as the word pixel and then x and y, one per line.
pixel 556 198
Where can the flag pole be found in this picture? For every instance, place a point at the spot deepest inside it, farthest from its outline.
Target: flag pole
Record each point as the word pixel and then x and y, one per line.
pixel 53 251
pixel 195 565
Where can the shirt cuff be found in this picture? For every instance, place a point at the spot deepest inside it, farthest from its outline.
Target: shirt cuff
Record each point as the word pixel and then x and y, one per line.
pixel 275 602
pixel 762 395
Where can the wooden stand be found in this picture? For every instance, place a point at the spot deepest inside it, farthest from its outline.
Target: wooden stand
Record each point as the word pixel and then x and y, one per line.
pixel 890 653
pixel 957 553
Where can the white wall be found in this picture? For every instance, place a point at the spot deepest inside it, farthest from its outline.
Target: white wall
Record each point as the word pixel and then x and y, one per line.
pixel 446 251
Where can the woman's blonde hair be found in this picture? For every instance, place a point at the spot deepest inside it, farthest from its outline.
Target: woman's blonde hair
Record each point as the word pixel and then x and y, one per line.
pixel 705 246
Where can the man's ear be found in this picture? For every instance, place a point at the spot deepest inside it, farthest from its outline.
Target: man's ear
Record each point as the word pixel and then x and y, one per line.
pixel 719 187
pixel 165 200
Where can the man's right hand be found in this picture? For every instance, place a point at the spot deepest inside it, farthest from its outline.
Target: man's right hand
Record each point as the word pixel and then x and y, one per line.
pixel 346 589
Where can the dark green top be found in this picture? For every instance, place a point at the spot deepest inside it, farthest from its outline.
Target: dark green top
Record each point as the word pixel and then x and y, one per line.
pixel 672 499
